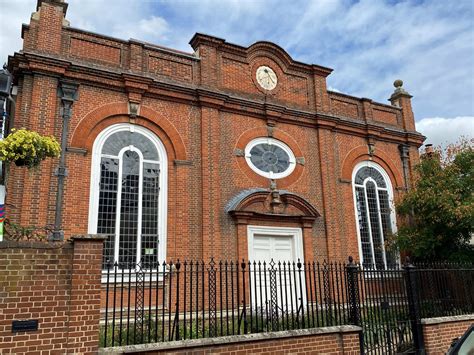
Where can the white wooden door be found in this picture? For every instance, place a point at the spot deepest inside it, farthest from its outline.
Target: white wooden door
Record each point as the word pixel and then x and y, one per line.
pixel 277 283
pixel 268 247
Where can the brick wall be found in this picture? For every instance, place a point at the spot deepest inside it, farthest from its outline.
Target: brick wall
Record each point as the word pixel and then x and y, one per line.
pixel 330 340
pixel 203 106
pixel 58 285
pixel 439 332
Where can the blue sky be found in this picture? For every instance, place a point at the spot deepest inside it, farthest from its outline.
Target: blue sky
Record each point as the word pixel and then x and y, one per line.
pixel 368 43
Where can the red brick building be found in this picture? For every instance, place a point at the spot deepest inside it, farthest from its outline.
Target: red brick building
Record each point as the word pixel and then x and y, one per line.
pixel 227 152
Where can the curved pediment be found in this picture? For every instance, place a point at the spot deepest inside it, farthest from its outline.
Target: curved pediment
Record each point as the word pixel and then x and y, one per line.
pixel 258 49
pixel 269 204
pixel 270 49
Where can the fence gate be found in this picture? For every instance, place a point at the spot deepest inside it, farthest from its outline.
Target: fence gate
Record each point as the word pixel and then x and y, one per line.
pixel 388 321
pixel 389 304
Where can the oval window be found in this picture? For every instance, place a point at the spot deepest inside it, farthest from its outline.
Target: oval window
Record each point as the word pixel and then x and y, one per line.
pixel 270 158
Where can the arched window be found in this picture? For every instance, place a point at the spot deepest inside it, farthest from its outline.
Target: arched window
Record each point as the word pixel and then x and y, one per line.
pixel 128 195
pixel 374 214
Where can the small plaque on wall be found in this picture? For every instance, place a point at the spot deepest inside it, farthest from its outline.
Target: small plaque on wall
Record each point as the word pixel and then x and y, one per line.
pixel 24 325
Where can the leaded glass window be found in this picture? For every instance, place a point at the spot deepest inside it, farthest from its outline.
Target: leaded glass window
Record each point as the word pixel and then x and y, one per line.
pixel 128 204
pixel 372 193
pixel 270 158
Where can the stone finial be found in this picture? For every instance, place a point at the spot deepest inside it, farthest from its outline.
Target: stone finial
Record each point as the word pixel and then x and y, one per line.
pixel 398 93
pixel 398 83
pixel 402 99
pixel 399 90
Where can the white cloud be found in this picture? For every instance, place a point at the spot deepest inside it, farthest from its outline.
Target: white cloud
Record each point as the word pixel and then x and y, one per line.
pixel 12 15
pixel 153 27
pixel 443 131
pixel 330 88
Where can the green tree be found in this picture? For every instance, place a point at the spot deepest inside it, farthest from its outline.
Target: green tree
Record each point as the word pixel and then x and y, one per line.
pixel 437 215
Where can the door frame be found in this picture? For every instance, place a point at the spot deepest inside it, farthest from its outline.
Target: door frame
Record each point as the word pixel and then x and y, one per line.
pixel 297 235
pixel 294 232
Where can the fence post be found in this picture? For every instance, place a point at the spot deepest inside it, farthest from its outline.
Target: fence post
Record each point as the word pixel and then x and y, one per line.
pixel 212 298
pixel 176 317
pixel 352 270
pixel 413 306
pixel 244 310
pixel 353 290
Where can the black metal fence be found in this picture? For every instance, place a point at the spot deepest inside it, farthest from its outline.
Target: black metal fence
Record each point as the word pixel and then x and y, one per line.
pixel 189 300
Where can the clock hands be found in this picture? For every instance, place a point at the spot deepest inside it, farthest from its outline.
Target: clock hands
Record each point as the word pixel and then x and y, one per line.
pixel 266 78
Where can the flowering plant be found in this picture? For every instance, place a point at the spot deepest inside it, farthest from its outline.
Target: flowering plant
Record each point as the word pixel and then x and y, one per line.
pixel 28 148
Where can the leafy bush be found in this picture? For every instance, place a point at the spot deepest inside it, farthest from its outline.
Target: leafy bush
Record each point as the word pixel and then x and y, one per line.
pixel 437 216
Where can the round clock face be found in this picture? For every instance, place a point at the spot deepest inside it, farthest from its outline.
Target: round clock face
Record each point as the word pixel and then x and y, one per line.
pixel 266 77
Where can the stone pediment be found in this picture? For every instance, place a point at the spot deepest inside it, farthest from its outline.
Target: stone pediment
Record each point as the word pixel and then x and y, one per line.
pixel 268 204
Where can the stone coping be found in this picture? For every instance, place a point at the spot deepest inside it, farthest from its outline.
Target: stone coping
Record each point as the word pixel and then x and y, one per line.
pixel 46 244
pixel 89 237
pixel 440 320
pixel 25 244
pixel 225 340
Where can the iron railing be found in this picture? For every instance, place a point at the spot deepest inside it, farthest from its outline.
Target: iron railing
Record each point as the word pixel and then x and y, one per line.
pixel 391 303
pixel 189 300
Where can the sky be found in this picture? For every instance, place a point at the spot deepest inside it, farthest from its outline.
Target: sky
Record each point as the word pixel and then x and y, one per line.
pixel 369 43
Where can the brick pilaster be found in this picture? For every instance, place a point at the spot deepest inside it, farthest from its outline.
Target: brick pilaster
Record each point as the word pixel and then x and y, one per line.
pixel 402 99
pixel 51 16
pixel 210 184
pixel 328 183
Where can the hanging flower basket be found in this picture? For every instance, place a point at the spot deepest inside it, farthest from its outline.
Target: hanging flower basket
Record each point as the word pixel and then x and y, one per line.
pixel 28 148
pixel 21 162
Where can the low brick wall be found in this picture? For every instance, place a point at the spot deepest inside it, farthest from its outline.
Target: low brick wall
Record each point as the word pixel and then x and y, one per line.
pixel 329 340
pixel 57 284
pixel 439 332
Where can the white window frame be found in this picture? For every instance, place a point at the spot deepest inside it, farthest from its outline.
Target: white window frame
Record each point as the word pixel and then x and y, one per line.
pixel 270 141
pixel 389 190
pixel 163 181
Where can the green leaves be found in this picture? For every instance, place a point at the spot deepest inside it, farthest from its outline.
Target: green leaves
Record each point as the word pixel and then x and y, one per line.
pixel 437 215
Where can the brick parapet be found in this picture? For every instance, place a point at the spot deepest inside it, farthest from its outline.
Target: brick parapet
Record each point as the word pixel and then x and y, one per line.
pixel 215 65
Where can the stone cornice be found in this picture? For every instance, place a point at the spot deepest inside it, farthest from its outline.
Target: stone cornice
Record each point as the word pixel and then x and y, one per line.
pixel 120 80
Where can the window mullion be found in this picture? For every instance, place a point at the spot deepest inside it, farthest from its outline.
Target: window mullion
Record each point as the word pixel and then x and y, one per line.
pixel 379 218
pixel 370 226
pixel 118 211
pixel 140 210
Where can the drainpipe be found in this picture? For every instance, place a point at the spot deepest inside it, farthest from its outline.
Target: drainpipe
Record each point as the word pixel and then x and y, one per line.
pixel 67 92
pixel 404 155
